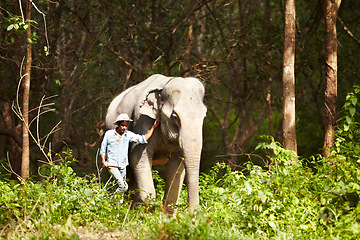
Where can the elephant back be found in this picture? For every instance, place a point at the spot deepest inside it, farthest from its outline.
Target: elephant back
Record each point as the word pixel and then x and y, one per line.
pixel 130 100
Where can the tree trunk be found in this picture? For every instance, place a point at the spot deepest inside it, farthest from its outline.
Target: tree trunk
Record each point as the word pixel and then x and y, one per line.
pixel 331 8
pixel 187 57
pixel 266 24
pixel 289 130
pixel 25 111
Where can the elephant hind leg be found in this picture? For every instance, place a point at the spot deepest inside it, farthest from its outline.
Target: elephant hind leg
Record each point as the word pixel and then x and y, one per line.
pixel 174 180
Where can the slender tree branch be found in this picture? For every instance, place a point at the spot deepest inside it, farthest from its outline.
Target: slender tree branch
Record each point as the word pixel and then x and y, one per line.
pixel 347 30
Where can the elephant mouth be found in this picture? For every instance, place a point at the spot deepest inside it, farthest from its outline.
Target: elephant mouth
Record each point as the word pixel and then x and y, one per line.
pixel 171 131
pixel 173 137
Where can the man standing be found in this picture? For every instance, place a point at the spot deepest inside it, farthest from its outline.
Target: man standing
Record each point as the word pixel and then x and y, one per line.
pixel 115 146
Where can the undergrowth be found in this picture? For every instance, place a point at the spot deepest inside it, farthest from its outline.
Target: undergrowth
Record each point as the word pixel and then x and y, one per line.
pixel 291 198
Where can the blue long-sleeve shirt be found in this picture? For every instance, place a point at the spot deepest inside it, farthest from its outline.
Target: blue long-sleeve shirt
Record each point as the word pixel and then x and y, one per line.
pixel 116 152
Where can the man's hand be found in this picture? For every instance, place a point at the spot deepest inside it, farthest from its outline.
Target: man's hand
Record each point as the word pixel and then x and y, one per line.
pixel 150 132
pixel 156 123
pixel 105 164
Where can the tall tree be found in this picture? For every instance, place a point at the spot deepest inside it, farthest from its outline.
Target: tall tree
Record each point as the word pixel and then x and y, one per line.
pixel 26 151
pixel 289 130
pixel 331 8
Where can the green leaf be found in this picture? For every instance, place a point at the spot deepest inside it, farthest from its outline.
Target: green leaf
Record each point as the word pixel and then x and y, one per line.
pixel 296 200
pixel 356 89
pixel 352 111
pixel 248 187
pixel 354 100
pixel 46 50
pixel 88 192
pixel 348 119
pixel 262 196
pixel 355 228
pixel 272 224
pixel 260 145
pixel 11 26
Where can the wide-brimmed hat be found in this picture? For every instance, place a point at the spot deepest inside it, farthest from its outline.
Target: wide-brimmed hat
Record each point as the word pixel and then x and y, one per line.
pixel 123 117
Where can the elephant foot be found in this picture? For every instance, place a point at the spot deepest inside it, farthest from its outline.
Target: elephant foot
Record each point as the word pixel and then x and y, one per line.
pixel 142 205
pixel 138 202
pixel 168 209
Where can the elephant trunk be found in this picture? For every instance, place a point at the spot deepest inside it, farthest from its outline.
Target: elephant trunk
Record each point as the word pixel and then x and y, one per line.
pixel 191 147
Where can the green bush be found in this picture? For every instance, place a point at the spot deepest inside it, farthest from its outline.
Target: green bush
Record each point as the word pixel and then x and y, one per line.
pixel 60 197
pixel 291 198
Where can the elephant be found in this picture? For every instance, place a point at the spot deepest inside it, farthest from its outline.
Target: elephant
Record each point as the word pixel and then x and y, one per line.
pixel 177 103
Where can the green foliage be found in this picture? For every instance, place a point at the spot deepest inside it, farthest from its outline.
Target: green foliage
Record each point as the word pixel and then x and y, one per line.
pixel 348 134
pixel 159 182
pixel 290 198
pixel 284 200
pixel 4 167
pixel 60 198
pixel 16 24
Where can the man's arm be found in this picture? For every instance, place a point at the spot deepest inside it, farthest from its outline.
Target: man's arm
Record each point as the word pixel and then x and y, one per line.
pixel 151 131
pixel 105 164
pixel 103 150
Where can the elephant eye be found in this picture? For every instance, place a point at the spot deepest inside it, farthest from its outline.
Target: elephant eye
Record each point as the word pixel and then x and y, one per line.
pixel 174 115
pixel 175 118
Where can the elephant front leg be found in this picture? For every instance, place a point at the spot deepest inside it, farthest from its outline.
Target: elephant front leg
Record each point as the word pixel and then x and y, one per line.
pixel 174 180
pixel 145 190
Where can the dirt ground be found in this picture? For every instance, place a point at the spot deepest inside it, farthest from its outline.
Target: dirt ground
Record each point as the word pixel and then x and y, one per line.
pixel 86 233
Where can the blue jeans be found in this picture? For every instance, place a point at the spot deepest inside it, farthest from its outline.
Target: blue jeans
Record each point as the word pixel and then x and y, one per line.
pixel 120 176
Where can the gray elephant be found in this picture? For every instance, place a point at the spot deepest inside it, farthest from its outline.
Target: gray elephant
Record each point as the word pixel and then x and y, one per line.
pixel 178 104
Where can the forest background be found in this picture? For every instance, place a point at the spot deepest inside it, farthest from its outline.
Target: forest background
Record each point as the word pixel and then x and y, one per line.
pixel 84 53
pixel 63 61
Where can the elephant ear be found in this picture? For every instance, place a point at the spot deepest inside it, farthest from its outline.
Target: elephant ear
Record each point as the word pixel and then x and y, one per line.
pixel 151 103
